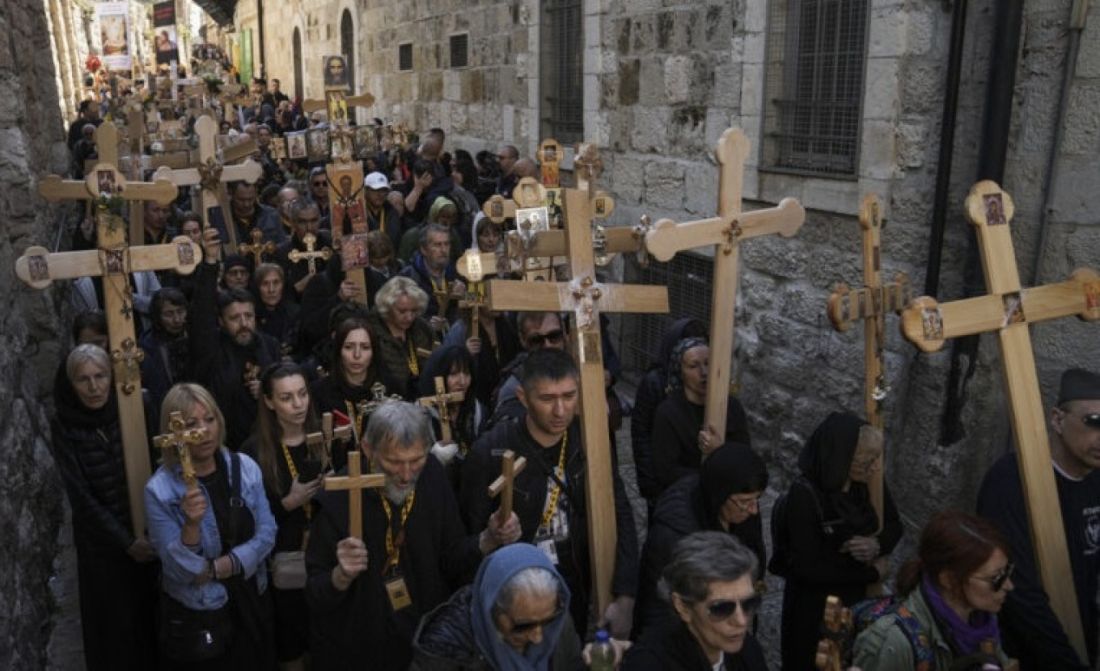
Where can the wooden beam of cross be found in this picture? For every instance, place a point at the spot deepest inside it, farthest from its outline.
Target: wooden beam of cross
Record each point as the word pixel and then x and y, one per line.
pixel 441 401
pixel 178 442
pixel 474 302
pixel 1009 310
pixel 527 207
pixel 332 433
pixel 510 467
pixel 212 175
pixel 313 105
pixel 354 482
pixel 114 261
pixel 586 298
pixel 311 254
pixel 870 304
pixel 257 248
pixel 724 233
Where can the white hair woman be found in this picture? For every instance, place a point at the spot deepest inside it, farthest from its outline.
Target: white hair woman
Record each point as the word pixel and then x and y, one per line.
pixel 400 335
pixel 117 571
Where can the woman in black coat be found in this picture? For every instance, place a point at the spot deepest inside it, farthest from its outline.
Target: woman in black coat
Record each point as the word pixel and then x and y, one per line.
pixel 835 546
pixel 680 441
pixel 117 572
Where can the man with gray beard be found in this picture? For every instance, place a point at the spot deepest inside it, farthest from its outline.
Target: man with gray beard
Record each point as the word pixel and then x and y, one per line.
pixel 367 595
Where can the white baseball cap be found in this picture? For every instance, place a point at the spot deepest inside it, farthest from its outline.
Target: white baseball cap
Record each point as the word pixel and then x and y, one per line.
pixel 376 181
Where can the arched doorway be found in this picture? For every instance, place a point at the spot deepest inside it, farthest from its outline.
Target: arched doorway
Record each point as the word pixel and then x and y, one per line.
pixel 347 46
pixel 297 41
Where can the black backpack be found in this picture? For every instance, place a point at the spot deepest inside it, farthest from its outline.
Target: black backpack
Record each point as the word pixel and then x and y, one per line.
pixel 780 562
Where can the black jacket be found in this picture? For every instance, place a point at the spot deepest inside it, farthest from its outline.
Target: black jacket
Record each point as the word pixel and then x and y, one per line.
pixel 444 641
pixel 482 466
pixel 348 628
pixel 676 429
pixel 673 648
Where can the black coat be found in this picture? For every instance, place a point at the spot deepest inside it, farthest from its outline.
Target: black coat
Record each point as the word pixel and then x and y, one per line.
pixel 349 628
pixel 296 272
pixel 672 647
pixel 218 363
pixel 680 512
pixel 482 466
pixel 676 427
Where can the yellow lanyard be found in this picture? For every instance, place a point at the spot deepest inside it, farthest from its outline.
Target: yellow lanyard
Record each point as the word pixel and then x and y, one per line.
pixel 555 489
pixel 414 365
pixel 294 476
pixel 356 420
pixel 393 550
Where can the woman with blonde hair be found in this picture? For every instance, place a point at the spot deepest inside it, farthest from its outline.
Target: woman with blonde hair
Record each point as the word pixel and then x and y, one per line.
pixel 210 523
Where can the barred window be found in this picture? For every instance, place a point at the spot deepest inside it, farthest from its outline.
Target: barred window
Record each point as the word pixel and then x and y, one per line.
pixel 460 51
pixel 405 56
pixel 562 70
pixel 347 45
pixel 814 85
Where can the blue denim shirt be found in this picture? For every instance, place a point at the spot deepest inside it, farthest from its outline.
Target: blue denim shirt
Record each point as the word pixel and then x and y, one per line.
pixel 181 565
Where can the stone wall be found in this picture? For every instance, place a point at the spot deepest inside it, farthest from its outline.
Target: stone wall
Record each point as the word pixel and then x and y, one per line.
pixel 663 79
pixel 32 497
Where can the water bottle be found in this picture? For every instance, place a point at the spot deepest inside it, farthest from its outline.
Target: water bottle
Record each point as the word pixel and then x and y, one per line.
pixel 602 652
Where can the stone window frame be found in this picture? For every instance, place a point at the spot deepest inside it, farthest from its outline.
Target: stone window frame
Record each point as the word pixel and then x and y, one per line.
pixel 465 49
pixel 894 32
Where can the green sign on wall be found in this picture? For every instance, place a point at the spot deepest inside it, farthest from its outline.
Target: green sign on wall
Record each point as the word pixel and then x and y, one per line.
pixel 246 56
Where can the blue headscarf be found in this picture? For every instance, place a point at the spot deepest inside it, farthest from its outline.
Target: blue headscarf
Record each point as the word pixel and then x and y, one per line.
pixel 495 572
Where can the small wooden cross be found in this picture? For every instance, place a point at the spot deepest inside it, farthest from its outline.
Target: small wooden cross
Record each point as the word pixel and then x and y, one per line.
pixel 870 304
pixel 474 301
pixel 510 467
pixel 258 247
pixel 586 297
pixel 1008 309
pixel 106 187
pixel 354 482
pixel 212 175
pixel 528 193
pixel 328 435
pixel 310 256
pixel 178 440
pixel 378 397
pixel 440 401
pixel 724 232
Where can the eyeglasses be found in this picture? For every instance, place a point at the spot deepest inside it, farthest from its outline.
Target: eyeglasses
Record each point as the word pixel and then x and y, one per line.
pixel 746 505
pixel 525 627
pixel 538 340
pixel 1091 420
pixel 718 611
pixel 997 582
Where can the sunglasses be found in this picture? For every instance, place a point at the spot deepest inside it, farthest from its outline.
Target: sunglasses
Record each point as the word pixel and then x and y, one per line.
pixel 539 339
pixel 997 582
pixel 718 611
pixel 525 627
pixel 1092 420
pixel 746 505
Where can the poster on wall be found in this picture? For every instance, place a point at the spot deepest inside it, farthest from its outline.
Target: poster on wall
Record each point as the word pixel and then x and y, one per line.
pixel 166 39
pixel 114 35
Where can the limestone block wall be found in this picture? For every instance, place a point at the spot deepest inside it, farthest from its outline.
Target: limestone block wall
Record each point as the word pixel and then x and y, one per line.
pixel 32 497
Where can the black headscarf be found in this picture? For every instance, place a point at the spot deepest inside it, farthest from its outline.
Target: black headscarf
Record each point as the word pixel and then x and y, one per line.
pixel 731 469
pixel 826 461
pixel 73 413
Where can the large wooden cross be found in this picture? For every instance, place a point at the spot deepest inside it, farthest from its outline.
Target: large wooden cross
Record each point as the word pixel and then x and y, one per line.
pixel 353 483
pixel 724 234
pixel 114 261
pixel 441 401
pixel 870 304
pixel 1009 310
pixel 586 297
pixel 212 175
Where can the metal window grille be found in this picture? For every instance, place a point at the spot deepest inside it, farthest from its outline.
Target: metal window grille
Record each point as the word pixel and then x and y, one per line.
pixel 689 278
pixel 405 56
pixel 347 44
pixel 815 82
pixel 460 50
pixel 297 47
pixel 562 70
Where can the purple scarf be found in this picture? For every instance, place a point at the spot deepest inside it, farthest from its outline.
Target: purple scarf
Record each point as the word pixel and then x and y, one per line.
pixel 965 637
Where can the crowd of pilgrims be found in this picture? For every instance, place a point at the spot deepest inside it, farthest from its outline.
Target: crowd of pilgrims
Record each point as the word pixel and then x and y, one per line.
pixel 253 566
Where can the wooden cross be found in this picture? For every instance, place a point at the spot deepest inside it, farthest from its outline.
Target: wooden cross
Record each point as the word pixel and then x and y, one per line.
pixel 114 261
pixel 310 256
pixel 362 100
pixel 724 233
pixel 328 435
pixel 527 193
pixel 475 266
pixel 258 247
pixel 353 483
pixel 440 401
pixel 870 304
pixel 212 175
pixel 1009 310
pixel 586 297
pixel 474 301
pixel 178 440
pixel 510 467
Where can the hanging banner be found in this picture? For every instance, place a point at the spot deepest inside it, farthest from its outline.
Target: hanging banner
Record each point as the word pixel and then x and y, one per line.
pixel 114 35
pixel 246 56
pixel 166 40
